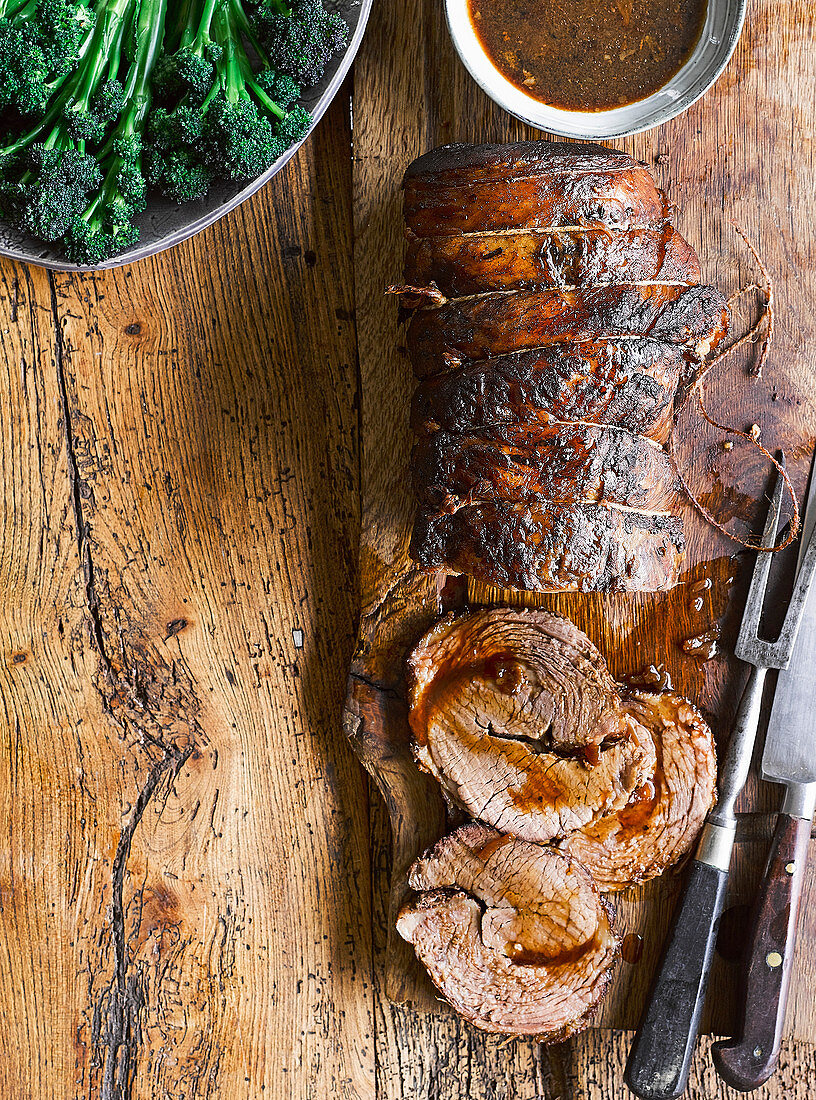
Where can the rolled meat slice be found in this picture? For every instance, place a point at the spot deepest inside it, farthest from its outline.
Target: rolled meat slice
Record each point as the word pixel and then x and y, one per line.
pixel 495 324
pixel 504 726
pixel 516 936
pixel 538 184
pixel 536 670
pixel 626 383
pixel 661 822
pixel 561 463
pixel 473 264
pixel 546 547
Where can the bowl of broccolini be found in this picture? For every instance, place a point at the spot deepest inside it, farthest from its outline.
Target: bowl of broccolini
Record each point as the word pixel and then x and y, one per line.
pixel 127 126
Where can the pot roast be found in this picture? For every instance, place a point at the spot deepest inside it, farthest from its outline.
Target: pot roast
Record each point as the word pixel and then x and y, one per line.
pixel 547 289
pixel 515 935
pixel 515 713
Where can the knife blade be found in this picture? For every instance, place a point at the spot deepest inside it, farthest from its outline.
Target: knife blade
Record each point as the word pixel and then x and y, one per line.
pixel 789 758
pixel 790 743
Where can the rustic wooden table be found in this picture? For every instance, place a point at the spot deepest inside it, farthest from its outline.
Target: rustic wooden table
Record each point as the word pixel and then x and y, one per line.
pixel 193 868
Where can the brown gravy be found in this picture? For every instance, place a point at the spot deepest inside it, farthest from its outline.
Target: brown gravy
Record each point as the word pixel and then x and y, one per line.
pixel 588 55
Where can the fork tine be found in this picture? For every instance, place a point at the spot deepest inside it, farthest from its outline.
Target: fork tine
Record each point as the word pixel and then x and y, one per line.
pixel 749 628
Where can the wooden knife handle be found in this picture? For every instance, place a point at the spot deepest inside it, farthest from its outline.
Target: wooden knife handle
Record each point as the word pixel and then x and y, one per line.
pixel 659 1061
pixel 745 1062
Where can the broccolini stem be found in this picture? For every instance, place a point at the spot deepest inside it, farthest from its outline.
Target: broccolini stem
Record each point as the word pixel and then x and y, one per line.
pixel 240 22
pixel 197 37
pixel 149 37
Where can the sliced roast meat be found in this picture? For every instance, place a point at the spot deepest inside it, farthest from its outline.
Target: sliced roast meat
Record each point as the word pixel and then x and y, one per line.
pixel 562 463
pixel 539 677
pixel 661 822
pixel 464 265
pixel 627 383
pixel 515 714
pixel 496 324
pixel 476 189
pixel 515 935
pixel 553 548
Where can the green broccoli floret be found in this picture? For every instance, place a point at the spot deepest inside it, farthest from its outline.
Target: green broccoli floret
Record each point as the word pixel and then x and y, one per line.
pixel 178 173
pixel 61 27
pixel 300 40
pixel 239 127
pixel 279 86
pixel 239 141
pixel 23 70
pixel 51 187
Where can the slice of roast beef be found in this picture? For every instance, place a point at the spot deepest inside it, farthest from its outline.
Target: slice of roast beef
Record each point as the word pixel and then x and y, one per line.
pixel 474 189
pixel 539 676
pixel 553 548
pixel 627 383
pixel 661 822
pixel 515 935
pixel 562 463
pixel 488 325
pixel 516 715
pixel 473 264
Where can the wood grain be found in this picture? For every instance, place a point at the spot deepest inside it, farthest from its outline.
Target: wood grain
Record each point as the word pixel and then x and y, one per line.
pixel 743 154
pixel 184 877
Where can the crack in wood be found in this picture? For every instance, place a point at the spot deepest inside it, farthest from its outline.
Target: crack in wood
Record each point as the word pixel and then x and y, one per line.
pixel 83 541
pixel 116 1031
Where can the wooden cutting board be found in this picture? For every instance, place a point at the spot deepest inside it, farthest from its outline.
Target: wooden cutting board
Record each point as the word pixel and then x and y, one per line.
pixel 745 154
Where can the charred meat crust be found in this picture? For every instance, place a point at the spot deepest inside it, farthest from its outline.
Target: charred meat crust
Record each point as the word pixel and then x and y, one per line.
pixel 462 160
pixel 462 265
pixel 561 463
pixel 497 324
pixel 628 383
pixel 461 189
pixel 552 548
pixel 515 936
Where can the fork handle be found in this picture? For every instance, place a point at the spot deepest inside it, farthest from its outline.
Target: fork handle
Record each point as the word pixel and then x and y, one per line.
pixel 659 1061
pixel 745 1063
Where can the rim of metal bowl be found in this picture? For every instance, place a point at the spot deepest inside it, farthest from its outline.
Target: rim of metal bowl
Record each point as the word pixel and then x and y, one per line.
pixel 469 45
pixel 190 229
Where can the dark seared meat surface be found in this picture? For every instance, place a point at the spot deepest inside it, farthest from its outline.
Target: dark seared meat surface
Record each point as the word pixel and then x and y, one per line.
pixel 554 311
pixel 462 265
pixel 516 936
pixel 626 383
pixel 561 463
pixel 659 825
pixel 539 185
pixel 496 324
pixel 553 548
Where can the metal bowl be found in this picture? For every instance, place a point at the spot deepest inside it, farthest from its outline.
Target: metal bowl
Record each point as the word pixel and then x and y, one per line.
pixel 166 223
pixel 718 40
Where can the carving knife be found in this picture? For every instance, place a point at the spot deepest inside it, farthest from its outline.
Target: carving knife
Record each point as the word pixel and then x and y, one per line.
pixel 789 758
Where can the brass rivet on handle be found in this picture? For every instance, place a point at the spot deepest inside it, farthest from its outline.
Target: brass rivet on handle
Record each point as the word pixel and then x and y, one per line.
pixel 790 868
pixel 773 959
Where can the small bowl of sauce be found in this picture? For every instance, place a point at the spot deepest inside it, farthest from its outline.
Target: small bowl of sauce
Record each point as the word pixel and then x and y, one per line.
pixel 595 68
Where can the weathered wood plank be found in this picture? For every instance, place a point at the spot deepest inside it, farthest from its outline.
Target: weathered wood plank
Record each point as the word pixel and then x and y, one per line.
pixel 185 875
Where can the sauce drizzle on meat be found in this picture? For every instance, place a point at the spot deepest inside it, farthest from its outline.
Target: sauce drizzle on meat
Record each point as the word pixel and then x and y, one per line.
pixel 584 55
